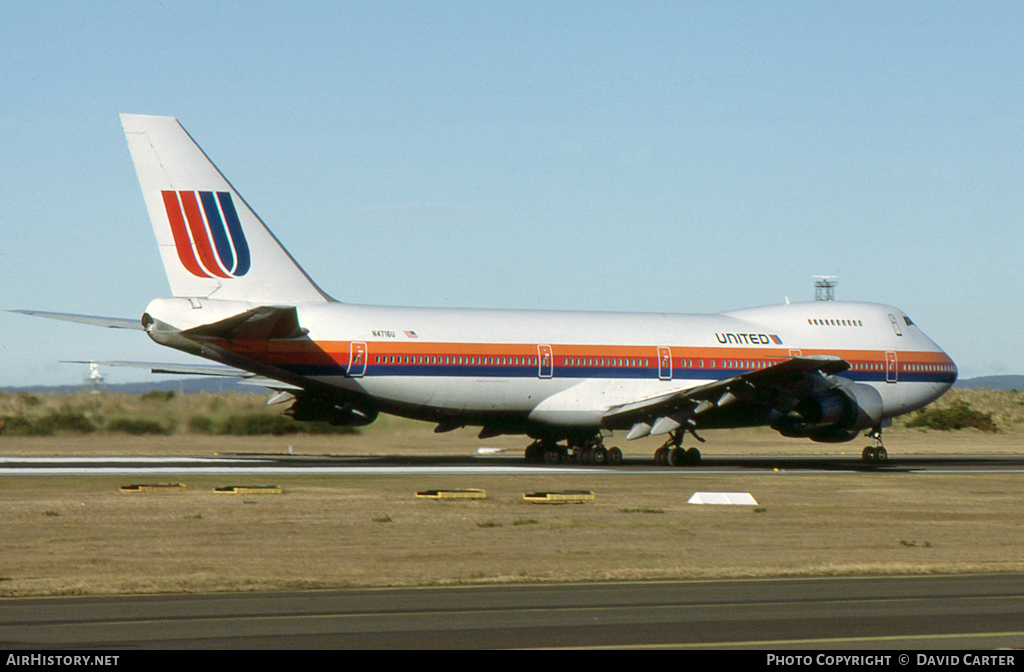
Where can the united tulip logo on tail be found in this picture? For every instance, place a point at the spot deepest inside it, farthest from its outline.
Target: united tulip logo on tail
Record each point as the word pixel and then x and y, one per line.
pixel 207 233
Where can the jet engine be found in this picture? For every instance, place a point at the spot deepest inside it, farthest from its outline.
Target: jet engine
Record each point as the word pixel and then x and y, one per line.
pixel 310 408
pixel 835 416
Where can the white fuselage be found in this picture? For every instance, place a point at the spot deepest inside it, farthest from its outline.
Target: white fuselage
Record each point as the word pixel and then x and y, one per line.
pixel 568 369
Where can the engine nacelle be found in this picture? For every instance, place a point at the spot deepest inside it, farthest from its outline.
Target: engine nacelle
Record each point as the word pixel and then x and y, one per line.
pixel 836 416
pixel 833 435
pixel 317 409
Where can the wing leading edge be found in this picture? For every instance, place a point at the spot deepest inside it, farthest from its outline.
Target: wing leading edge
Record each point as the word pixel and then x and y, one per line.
pixel 776 388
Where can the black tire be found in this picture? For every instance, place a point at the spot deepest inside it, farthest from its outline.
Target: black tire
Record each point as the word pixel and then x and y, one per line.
pixel 600 456
pixel 552 456
pixel 614 456
pixel 881 455
pixel 692 458
pixel 868 454
pixel 661 456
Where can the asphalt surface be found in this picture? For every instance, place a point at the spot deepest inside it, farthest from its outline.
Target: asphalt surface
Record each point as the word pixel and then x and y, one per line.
pixel 501 464
pixel 891 613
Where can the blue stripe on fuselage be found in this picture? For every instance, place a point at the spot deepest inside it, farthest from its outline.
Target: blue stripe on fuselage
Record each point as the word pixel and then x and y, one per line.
pixel 582 373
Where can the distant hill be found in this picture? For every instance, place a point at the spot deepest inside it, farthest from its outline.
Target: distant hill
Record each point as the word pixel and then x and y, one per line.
pixel 992 383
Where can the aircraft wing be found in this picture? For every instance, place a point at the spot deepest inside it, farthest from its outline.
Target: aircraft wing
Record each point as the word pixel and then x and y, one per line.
pixel 771 386
pixel 94 320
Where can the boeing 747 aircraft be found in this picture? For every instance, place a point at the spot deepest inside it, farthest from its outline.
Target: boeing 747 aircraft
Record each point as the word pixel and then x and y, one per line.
pixel 825 371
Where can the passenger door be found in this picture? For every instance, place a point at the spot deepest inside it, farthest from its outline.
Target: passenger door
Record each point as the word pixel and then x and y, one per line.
pixel 664 363
pixel 545 362
pixel 357 359
pixel 891 367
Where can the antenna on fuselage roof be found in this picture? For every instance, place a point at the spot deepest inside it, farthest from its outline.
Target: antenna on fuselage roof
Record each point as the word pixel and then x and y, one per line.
pixel 825 287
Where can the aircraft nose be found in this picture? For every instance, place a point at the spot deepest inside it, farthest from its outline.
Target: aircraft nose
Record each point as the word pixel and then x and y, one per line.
pixel 947 376
pixel 950 369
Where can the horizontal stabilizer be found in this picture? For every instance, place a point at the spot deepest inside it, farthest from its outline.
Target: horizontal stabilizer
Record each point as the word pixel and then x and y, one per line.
pixel 263 381
pixel 94 320
pixel 245 377
pixel 180 369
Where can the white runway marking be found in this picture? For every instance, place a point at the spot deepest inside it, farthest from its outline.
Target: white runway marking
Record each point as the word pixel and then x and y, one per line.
pixel 274 466
pixel 287 471
pixel 64 460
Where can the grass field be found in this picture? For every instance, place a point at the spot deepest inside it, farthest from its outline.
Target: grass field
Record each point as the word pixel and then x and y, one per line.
pixel 203 424
pixel 81 535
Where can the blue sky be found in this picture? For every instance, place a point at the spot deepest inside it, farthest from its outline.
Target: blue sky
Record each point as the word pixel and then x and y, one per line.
pixel 647 156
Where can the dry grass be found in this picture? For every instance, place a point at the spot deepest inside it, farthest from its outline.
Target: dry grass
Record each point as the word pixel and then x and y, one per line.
pixel 1006 408
pixel 81 535
pixel 179 411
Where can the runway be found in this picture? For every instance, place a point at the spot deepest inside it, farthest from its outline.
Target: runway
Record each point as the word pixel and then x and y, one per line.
pixel 893 613
pixel 297 465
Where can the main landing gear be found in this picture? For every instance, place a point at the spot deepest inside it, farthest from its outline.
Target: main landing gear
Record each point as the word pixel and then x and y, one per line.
pixel 592 451
pixel 875 453
pixel 673 454
pixel 589 451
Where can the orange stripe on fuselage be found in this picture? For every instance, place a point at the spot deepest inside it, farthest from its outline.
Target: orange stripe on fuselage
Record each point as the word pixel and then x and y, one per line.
pixel 304 352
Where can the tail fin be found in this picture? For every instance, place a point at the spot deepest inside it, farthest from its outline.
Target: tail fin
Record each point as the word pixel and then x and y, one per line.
pixel 212 244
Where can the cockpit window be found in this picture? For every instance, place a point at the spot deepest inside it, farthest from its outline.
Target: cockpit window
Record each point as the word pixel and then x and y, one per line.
pixel 907 320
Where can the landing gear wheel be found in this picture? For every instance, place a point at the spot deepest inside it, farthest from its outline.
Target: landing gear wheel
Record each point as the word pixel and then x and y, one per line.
pixel 876 453
pixel 534 453
pixel 552 456
pixel 677 457
pixel 599 456
pixel 614 456
pixel 661 456
pixel 692 458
